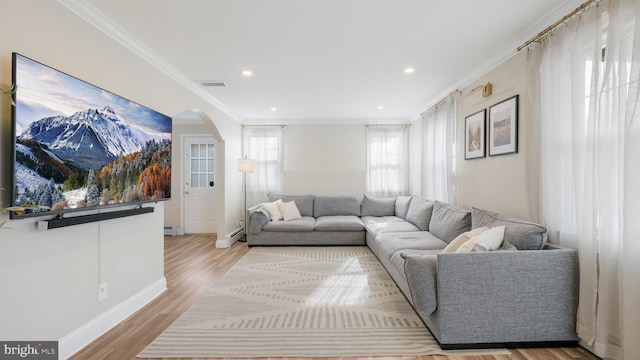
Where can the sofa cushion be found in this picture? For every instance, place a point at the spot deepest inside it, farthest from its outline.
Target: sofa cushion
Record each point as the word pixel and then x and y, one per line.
pixel 419 213
pixel 339 223
pixel 389 243
pixel 336 205
pixel 372 206
pixel 488 240
pixel 463 238
pixel 303 202
pixel 380 219
pixel 306 223
pixel 507 247
pixel 273 210
pixel 376 229
pixel 522 234
pixel 402 206
pixel 449 221
pixel 289 210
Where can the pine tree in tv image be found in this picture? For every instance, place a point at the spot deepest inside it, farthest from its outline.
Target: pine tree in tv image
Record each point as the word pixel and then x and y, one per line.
pixel 79 146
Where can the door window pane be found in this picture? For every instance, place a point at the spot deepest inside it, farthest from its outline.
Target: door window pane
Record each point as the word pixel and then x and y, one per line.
pixel 202 165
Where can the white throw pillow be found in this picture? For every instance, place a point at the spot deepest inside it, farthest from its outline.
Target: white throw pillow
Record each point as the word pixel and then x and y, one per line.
pixel 289 210
pixel 462 238
pixel 272 209
pixel 487 240
pixel 490 240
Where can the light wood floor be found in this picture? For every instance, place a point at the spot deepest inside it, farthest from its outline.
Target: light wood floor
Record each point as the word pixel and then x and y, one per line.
pixel 192 264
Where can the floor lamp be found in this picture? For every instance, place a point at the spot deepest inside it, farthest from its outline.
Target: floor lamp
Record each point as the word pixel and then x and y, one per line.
pixel 245 166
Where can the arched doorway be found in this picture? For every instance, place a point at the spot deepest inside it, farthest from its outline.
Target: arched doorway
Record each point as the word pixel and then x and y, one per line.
pixel 204 198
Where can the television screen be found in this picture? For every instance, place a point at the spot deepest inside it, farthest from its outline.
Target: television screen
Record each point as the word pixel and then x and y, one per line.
pixel 80 147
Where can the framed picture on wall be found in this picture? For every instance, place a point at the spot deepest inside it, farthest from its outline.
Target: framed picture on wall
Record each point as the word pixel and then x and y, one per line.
pixel 503 127
pixel 474 135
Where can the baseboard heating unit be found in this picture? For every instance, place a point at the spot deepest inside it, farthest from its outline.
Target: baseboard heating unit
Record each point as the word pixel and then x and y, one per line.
pixel 170 231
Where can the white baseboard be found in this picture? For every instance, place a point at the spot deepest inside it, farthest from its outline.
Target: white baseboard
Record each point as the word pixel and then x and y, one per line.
pixel 230 238
pixel 84 335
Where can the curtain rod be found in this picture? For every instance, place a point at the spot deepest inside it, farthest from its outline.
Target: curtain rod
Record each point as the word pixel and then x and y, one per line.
pixel 441 101
pixel 544 32
pixel 255 125
pixel 383 125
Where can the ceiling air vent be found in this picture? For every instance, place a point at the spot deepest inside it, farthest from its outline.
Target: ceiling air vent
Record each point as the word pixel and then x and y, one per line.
pixel 213 83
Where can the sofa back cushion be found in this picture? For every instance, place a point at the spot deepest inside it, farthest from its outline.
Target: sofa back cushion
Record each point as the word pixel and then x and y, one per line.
pixel 336 205
pixel 373 206
pixel 522 234
pixel 419 213
pixel 449 221
pixel 304 203
pixel 402 206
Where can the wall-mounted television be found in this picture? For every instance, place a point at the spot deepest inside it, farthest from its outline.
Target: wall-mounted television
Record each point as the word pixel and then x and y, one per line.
pixel 80 147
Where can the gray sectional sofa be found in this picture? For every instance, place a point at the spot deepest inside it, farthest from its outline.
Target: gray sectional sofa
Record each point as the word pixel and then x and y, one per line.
pixel 326 220
pixel 523 294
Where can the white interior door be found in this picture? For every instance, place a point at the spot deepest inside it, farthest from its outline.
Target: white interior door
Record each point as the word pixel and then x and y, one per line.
pixel 199 185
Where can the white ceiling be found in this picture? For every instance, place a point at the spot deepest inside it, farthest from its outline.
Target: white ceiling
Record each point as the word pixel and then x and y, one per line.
pixel 330 61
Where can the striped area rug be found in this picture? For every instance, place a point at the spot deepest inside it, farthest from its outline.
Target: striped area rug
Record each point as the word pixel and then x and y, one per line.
pixel 301 302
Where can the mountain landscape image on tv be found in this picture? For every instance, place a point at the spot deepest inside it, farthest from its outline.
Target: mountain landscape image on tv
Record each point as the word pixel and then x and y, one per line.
pixel 78 146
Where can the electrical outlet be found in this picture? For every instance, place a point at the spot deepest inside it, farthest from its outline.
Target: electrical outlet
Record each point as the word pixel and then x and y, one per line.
pixel 103 292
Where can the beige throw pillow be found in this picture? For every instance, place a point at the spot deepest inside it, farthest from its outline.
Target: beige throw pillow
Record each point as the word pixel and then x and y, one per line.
pixel 289 210
pixel 462 238
pixel 272 209
pixel 488 240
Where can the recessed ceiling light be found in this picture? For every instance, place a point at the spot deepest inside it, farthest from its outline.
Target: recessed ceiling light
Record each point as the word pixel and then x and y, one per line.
pixel 380 107
pixel 409 70
pixel 274 109
pixel 247 73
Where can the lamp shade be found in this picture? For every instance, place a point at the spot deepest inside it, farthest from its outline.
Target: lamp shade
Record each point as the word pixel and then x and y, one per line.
pixel 245 165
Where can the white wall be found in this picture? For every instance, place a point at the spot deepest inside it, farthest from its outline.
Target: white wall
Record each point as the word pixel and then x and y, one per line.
pixel 50 278
pixel 325 159
pixel 496 183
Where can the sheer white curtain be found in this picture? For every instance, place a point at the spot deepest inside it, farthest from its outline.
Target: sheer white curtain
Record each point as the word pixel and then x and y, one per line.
pixel 263 144
pixel 589 126
pixel 387 160
pixel 438 150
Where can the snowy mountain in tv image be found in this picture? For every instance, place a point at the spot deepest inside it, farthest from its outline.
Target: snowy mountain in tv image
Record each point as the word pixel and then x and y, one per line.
pixel 87 139
pixel 90 158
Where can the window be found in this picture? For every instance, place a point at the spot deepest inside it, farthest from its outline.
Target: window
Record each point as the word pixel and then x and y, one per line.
pixel 438 150
pixel 589 136
pixel 387 160
pixel 202 169
pixel 263 144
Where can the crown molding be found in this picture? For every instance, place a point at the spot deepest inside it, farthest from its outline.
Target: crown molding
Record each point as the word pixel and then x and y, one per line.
pixel 551 17
pixel 103 23
pixel 328 121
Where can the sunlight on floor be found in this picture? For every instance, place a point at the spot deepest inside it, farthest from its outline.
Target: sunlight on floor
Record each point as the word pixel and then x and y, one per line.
pixel 349 287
